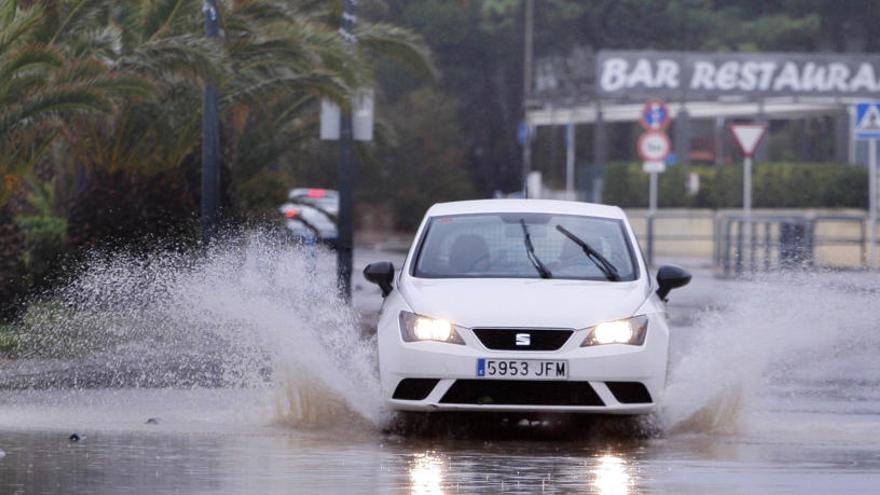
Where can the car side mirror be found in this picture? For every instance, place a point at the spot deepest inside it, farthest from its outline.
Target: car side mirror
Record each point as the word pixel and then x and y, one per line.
pixel 381 274
pixel 671 277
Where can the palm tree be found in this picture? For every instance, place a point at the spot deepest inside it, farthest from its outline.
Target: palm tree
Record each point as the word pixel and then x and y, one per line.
pixel 276 60
pixel 39 87
pixel 286 56
pixel 158 41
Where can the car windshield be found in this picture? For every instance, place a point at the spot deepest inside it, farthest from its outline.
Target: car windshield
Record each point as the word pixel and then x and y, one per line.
pixel 493 246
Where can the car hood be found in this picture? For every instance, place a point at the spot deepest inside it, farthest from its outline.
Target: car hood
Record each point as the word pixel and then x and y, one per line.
pixel 523 302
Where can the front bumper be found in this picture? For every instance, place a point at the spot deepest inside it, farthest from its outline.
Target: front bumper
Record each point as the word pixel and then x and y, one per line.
pixel 611 379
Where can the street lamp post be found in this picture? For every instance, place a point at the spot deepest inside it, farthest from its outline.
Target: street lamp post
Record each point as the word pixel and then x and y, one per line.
pixel 345 235
pixel 210 138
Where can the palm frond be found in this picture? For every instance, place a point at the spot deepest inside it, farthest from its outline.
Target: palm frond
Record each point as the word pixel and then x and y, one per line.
pixel 8 8
pixel 79 70
pixel 66 98
pixel 316 85
pixel 124 85
pixel 23 148
pixel 77 16
pixel 21 27
pixel 26 59
pixel 161 16
pixel 185 55
pixel 397 43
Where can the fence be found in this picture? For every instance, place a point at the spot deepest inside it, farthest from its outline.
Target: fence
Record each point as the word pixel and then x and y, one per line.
pixel 767 240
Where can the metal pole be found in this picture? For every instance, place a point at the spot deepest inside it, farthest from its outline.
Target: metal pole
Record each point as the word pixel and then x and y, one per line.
pixel 345 235
pixel 683 135
pixel 762 150
pixel 569 159
pixel 719 141
pixel 747 187
pixel 753 238
pixel 652 193
pixel 841 137
pixel 652 210
pixel 528 51
pixel 728 234
pixel 747 204
pixel 872 203
pixel 739 247
pixel 210 138
pixel 600 138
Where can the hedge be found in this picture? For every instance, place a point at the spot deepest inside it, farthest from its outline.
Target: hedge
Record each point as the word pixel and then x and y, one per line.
pixel 774 185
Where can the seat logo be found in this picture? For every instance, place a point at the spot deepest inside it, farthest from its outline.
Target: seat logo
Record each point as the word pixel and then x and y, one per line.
pixel 523 339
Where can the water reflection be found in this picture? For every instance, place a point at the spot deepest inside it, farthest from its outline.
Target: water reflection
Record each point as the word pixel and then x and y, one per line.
pixel 611 476
pixel 426 474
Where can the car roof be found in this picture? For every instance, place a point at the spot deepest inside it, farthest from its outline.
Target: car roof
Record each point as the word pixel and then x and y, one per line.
pixel 526 206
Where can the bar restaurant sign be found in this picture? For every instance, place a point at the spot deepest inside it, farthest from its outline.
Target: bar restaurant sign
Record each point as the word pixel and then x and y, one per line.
pixel 671 75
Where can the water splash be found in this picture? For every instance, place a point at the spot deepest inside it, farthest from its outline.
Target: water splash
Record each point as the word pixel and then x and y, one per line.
pixel 256 313
pixel 775 341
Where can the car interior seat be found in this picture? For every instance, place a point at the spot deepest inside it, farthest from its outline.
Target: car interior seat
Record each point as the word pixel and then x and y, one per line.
pixel 469 253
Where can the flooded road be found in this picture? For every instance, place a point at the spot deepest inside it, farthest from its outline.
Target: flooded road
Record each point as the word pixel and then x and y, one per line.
pixel 201 447
pixel 774 387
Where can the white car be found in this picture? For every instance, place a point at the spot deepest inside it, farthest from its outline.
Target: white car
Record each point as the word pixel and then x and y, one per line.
pixel 524 305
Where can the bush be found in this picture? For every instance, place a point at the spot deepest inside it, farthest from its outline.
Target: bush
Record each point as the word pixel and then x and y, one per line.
pixel 125 210
pixel 261 194
pixel 8 341
pixel 45 238
pixel 774 185
pixel 12 270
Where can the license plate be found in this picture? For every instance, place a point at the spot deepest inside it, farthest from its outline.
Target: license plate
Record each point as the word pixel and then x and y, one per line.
pixel 522 369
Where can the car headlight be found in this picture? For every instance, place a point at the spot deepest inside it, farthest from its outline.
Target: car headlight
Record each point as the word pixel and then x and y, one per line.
pixel 630 331
pixel 416 328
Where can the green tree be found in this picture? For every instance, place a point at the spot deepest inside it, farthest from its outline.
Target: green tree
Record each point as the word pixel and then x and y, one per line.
pixel 427 164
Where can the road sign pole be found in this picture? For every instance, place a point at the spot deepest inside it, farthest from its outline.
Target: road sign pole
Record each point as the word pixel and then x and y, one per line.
pixel 654 147
pixel 652 193
pixel 747 186
pixel 652 211
pixel 872 203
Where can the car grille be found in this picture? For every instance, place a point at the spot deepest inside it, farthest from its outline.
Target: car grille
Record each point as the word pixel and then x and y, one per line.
pixel 521 393
pixel 505 339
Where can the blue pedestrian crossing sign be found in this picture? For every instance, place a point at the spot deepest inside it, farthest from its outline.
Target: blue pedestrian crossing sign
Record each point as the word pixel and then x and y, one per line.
pixel 867 122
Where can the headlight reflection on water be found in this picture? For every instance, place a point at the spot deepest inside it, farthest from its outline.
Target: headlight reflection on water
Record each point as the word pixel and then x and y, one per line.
pixel 426 474
pixel 611 476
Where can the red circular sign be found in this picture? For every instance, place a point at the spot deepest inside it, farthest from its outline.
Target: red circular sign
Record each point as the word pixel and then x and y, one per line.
pixel 654 146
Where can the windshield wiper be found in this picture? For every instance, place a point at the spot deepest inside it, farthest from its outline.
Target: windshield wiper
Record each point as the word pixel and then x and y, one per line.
pixel 607 268
pixel 530 252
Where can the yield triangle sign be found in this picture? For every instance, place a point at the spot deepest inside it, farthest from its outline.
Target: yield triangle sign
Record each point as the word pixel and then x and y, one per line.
pixel 748 136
